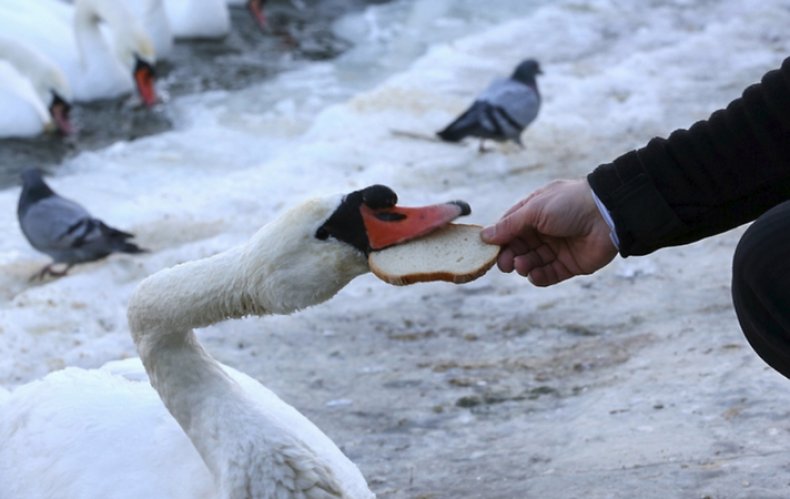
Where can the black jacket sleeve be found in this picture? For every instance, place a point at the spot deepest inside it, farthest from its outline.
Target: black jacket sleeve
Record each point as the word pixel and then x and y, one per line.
pixel 720 173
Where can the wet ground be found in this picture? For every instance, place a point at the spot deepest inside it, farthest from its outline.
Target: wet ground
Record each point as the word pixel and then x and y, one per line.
pixel 300 31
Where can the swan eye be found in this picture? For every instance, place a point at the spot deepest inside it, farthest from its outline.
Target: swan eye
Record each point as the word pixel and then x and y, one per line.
pixel 322 233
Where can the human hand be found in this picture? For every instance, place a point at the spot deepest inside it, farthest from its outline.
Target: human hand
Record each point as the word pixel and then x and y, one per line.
pixel 552 235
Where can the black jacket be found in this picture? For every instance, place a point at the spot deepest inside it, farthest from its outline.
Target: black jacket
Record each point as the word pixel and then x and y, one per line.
pixel 720 173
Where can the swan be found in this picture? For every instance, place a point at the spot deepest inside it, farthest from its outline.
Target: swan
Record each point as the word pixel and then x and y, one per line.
pixel 153 20
pixel 34 94
pixel 191 19
pixel 72 37
pixel 198 18
pixel 105 433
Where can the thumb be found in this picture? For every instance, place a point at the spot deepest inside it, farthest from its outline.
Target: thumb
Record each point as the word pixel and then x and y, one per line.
pixel 506 229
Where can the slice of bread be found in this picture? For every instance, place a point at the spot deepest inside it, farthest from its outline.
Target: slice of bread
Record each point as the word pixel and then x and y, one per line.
pixel 453 253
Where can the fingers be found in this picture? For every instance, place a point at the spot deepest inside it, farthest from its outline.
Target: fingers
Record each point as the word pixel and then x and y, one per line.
pixel 508 254
pixel 539 264
pixel 523 257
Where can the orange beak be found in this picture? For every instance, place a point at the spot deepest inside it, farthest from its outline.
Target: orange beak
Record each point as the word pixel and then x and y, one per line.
pixel 59 110
pixel 390 226
pixel 256 11
pixel 144 79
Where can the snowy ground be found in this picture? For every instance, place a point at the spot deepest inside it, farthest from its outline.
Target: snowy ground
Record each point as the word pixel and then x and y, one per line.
pixel 634 382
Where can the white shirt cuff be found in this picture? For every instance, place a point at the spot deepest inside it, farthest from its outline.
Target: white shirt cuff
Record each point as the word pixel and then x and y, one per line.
pixel 608 217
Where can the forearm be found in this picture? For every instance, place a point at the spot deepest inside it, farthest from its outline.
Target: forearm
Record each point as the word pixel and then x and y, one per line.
pixel 720 173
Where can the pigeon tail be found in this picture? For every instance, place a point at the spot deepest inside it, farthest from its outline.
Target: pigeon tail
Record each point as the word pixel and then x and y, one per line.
pixel 465 125
pixel 118 239
pixel 127 247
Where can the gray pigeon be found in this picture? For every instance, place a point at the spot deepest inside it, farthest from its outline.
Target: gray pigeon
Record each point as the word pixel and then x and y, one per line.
pixel 63 229
pixel 502 111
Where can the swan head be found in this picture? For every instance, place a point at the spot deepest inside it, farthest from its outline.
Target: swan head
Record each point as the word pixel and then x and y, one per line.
pixel 54 83
pixel 302 258
pixel 255 8
pixel 133 48
pixel 313 250
pixel 46 78
pixel 144 77
pixel 59 109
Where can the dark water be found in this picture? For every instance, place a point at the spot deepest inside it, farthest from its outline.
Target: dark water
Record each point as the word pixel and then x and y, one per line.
pixel 299 31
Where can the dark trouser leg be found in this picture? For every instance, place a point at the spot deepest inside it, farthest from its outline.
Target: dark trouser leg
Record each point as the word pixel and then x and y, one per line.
pixel 761 286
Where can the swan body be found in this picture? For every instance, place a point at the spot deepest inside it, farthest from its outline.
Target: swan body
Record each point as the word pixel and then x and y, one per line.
pixel 187 426
pixel 72 37
pixel 34 93
pixel 198 18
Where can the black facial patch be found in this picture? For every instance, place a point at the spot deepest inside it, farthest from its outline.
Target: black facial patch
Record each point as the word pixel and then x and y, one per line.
pixel 346 224
pixel 141 65
pixel 57 100
pixel 379 196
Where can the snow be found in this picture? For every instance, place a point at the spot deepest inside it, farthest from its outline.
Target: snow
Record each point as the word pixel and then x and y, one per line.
pixel 634 382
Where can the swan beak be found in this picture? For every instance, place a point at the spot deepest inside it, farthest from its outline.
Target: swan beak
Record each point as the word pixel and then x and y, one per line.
pixel 144 79
pixel 59 110
pixel 256 11
pixel 390 226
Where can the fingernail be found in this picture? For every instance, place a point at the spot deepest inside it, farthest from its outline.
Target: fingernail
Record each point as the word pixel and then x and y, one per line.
pixel 488 232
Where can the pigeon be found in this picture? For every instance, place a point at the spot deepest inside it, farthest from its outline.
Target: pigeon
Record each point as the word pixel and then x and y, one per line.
pixel 63 229
pixel 502 111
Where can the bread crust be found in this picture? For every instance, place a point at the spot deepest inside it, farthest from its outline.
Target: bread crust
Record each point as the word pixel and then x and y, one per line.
pixel 466 235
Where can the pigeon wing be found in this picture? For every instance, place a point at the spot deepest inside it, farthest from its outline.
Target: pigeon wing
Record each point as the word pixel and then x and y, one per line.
pixel 56 224
pixel 520 103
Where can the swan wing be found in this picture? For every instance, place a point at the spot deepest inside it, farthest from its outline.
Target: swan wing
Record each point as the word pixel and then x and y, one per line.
pixel 330 463
pixel 22 114
pixel 87 434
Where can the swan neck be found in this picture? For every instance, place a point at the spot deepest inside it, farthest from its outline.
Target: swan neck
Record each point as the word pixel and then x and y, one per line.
pixel 191 295
pixel 193 386
pixel 282 268
pixel 93 49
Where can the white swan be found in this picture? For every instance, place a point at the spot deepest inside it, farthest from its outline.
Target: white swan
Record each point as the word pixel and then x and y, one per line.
pixel 72 37
pixel 34 94
pixel 191 19
pixel 105 434
pixel 198 18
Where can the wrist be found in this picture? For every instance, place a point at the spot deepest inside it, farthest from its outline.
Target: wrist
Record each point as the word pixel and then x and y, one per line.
pixel 606 216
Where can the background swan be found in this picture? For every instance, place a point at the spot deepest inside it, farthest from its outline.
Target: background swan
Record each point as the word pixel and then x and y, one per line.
pixel 198 18
pixel 72 37
pixel 105 434
pixel 207 18
pixel 34 94
pixel 153 20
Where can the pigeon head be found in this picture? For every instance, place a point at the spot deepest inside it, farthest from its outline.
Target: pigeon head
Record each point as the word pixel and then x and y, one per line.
pixel 33 188
pixel 32 179
pixel 526 71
